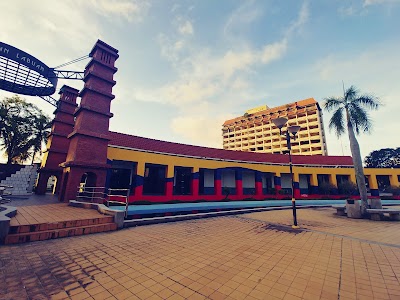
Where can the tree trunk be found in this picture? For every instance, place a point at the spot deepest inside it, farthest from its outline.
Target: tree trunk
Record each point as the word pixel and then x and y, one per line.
pixel 10 154
pixel 33 157
pixel 358 167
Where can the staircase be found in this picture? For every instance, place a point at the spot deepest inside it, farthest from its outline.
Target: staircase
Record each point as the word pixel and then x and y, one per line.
pixel 46 231
pixel 22 181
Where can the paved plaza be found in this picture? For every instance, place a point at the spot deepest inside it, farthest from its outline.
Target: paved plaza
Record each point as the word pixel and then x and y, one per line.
pixel 252 256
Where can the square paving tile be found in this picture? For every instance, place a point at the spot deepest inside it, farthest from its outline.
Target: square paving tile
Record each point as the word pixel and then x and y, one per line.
pixel 252 256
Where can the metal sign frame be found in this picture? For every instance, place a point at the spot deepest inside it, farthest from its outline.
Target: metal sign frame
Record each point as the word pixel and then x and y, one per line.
pixel 24 74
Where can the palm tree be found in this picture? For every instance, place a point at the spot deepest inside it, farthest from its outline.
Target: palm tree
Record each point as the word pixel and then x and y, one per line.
pixel 351 110
pixel 41 130
pixel 23 129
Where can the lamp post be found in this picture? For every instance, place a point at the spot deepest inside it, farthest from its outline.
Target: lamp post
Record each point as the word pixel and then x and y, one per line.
pixel 280 122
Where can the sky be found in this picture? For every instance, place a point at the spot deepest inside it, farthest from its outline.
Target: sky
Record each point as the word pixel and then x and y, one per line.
pixel 187 66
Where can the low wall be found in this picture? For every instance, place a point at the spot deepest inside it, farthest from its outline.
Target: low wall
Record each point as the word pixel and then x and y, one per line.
pixel 6 213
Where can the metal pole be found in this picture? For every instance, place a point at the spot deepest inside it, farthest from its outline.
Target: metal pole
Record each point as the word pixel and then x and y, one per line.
pixel 127 201
pixel 289 145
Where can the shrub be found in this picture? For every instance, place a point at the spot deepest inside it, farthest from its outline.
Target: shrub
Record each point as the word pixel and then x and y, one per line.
pixel 348 188
pixel 326 188
pixel 226 191
pixel 284 192
pixel 395 190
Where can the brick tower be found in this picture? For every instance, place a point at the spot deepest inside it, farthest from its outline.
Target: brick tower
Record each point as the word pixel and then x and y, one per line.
pixel 87 154
pixel 58 142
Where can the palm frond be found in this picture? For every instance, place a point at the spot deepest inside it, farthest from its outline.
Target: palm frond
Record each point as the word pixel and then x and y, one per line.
pixel 332 103
pixel 359 118
pixel 368 101
pixel 337 122
pixel 350 94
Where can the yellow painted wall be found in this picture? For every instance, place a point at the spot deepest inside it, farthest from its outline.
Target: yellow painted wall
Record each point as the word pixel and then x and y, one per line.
pixel 170 160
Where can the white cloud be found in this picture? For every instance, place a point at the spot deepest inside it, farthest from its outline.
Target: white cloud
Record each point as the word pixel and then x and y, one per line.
pixel 348 11
pixel 375 2
pixel 273 51
pixel 244 15
pixel 200 124
pixel 199 128
pixel 301 20
pixel 240 84
pixel 363 8
pixel 62 26
pixel 173 45
pixel 222 79
pixel 203 76
pixel 131 10
pixel 171 48
pixel 186 28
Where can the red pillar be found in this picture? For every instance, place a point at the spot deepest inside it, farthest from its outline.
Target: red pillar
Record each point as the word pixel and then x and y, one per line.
pixel 87 152
pixel 277 183
pixel 138 192
pixel 296 186
pixel 169 189
pixel 195 184
pixel 58 142
pixel 218 184
pixel 239 188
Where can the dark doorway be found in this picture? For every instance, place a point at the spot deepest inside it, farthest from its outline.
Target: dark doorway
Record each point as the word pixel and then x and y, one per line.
pixel 182 181
pixel 383 182
pixel 154 179
pixel 120 179
pixel 122 176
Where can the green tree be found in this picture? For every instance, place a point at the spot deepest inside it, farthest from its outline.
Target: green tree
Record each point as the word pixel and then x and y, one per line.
pixel 383 158
pixel 41 130
pixel 21 128
pixel 350 113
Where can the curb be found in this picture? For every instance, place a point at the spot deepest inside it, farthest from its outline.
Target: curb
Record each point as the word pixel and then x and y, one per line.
pixel 168 219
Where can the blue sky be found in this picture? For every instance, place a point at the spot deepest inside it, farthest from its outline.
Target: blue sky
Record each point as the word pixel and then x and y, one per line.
pixel 186 66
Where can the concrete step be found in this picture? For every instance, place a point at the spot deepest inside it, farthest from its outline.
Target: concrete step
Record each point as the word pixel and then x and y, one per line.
pixel 59 225
pixel 42 235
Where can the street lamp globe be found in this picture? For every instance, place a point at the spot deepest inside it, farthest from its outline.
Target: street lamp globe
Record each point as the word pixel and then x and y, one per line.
pixel 280 122
pixel 294 129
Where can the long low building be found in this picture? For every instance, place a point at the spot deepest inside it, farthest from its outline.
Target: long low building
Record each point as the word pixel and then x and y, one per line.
pixel 161 171
pixel 82 152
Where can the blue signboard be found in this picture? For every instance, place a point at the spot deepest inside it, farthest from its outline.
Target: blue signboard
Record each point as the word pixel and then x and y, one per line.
pixel 40 80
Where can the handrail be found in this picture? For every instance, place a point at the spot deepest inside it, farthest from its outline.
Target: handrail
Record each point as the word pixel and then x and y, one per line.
pixel 126 202
pixel 103 194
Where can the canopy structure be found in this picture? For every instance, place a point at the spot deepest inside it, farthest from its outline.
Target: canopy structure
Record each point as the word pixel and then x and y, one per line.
pixel 22 73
